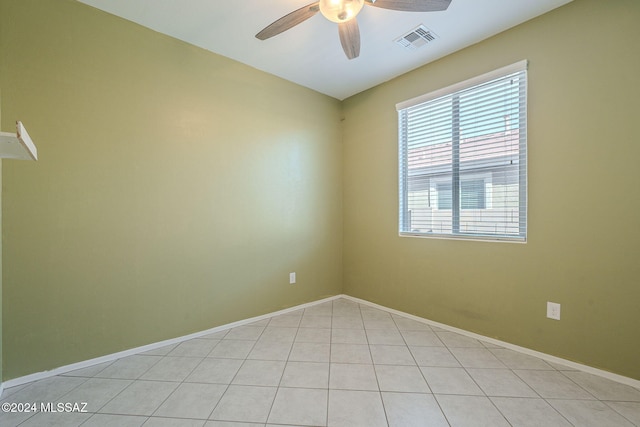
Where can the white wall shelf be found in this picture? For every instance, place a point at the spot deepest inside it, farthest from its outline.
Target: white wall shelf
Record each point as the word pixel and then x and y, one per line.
pixel 17 145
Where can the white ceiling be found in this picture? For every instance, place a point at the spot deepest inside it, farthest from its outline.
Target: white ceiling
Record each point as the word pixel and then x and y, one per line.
pixel 310 54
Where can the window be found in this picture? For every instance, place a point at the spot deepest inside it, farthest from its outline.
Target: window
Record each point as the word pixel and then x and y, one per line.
pixel 463 159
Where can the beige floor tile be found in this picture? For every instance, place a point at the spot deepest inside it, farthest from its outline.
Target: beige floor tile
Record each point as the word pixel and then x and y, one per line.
pixel 191 401
pixel 305 375
pixel 310 352
pixel 349 408
pixel 451 381
pixel 589 413
pixel 392 355
pixel 350 353
pixel 140 398
pixel 299 406
pixel 352 376
pixel 471 411
pixel 401 379
pixel 260 373
pixel 413 410
pixel 215 371
pixel 245 403
pixel 434 356
pixel 529 412
pixel 552 385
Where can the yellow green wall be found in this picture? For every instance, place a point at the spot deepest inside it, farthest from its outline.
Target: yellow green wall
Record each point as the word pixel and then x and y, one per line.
pixel 175 191
pixel 584 197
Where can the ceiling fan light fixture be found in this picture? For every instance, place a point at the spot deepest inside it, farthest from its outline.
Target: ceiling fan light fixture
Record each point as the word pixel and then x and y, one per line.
pixel 339 11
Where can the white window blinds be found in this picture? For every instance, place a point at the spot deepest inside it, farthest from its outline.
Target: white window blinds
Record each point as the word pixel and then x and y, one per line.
pixel 463 159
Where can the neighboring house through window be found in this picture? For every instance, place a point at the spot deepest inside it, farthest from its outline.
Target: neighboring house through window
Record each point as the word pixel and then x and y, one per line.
pixel 463 159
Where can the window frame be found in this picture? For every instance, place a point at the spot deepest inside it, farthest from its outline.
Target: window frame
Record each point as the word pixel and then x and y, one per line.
pixel 404 220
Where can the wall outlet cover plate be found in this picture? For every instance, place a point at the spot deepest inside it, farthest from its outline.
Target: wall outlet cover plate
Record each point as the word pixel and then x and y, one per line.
pixel 553 310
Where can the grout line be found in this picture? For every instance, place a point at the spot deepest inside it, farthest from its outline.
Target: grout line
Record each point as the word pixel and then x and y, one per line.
pixel 329 369
pixel 234 376
pixel 546 400
pixel 614 410
pixel 184 379
pixel 564 374
pixel 286 362
pixel 132 381
pixel 373 365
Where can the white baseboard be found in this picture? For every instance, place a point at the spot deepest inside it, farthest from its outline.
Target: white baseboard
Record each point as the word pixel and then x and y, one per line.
pixel 547 357
pixel 112 357
pixel 119 355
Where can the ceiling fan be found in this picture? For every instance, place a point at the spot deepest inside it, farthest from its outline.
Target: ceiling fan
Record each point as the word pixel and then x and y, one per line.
pixel 343 12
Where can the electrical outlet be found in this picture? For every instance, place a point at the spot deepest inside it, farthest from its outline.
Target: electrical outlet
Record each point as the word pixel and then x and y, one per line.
pixel 553 310
pixel 292 278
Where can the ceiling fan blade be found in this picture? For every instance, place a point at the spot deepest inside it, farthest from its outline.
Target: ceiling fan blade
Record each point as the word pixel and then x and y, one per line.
pixel 411 5
pixel 350 38
pixel 289 21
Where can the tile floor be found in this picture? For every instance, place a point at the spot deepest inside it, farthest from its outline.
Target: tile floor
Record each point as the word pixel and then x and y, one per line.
pixel 338 363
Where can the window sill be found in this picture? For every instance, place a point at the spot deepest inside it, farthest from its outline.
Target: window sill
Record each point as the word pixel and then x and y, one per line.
pixel 502 239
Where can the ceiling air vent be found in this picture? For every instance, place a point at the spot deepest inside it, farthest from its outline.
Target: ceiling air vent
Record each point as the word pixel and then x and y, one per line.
pixel 417 37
